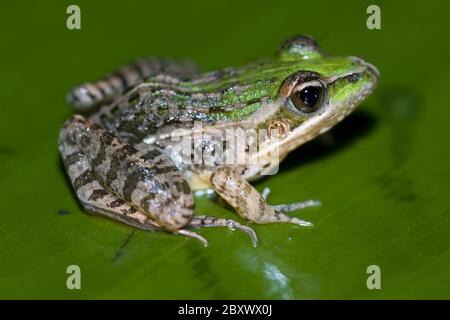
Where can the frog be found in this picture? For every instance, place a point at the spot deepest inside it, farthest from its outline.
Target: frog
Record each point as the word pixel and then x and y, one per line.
pixel 121 149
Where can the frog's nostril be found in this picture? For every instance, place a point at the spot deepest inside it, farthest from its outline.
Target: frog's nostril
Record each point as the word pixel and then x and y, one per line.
pixel 354 77
pixel 370 67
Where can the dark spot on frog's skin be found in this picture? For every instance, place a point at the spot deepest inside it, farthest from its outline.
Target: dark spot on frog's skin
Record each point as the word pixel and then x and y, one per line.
pixel 145 202
pixel 185 187
pixel 122 79
pixel 177 186
pixel 152 154
pixel 63 212
pixel 83 179
pixel 106 140
pixel 262 205
pixel 109 139
pixel 117 160
pixel 92 95
pixel 116 203
pixel 71 138
pixel 98 194
pixel 73 158
pixel 131 182
pixel 102 90
pixel 163 170
pixel 130 210
pixel 100 157
pixel 85 140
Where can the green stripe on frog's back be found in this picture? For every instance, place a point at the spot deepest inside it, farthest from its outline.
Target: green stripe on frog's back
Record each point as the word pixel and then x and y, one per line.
pixel 227 95
pixel 269 70
pixel 149 107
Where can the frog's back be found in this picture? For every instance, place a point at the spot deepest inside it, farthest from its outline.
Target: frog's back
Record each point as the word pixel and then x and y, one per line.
pixel 164 103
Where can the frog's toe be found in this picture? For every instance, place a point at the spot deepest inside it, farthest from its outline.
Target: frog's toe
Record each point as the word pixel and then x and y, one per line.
pixel 284 218
pixel 296 206
pixel 191 234
pixel 281 209
pixel 233 225
pixel 290 206
pixel 265 193
pixel 205 221
pixel 301 222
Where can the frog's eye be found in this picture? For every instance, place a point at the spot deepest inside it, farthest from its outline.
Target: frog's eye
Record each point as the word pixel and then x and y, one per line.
pixel 307 97
pixel 299 48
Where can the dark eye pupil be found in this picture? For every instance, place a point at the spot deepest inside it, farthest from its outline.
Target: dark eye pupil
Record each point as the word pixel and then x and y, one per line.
pixel 310 95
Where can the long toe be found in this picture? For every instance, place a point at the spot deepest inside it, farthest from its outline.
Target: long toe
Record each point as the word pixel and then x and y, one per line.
pixel 194 235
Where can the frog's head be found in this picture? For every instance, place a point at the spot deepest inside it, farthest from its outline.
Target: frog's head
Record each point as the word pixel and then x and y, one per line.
pixel 317 91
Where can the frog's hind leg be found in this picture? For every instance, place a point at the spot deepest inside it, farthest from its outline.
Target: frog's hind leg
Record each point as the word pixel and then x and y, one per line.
pixel 249 203
pixel 90 192
pixel 113 178
pixel 88 95
pixel 146 180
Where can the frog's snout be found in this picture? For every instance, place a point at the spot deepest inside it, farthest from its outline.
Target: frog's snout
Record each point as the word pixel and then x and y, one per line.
pixel 373 70
pixel 368 66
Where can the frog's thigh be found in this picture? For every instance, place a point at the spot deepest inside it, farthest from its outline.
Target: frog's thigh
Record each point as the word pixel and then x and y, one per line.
pixel 243 197
pixel 146 181
pixel 95 199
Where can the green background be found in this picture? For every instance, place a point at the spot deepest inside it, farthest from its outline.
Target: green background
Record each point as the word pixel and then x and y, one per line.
pixel 383 179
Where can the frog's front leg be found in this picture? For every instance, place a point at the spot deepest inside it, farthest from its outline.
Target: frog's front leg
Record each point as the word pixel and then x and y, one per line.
pixel 141 188
pixel 249 203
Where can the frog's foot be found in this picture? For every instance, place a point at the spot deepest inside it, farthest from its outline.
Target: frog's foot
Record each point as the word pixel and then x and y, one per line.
pixel 205 221
pixel 249 203
pixel 283 208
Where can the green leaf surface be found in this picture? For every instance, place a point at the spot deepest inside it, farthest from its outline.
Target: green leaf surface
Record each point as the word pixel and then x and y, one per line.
pixel 383 177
